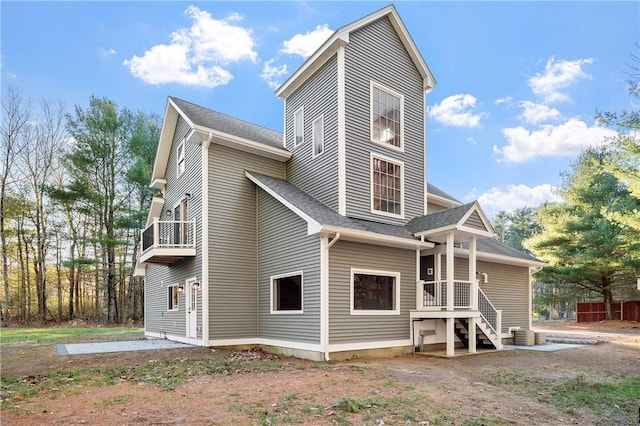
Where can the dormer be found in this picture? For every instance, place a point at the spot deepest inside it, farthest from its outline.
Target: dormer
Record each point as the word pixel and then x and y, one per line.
pixel 355 121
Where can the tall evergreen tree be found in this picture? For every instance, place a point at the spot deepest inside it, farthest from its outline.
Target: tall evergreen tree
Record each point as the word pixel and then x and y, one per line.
pixel 582 245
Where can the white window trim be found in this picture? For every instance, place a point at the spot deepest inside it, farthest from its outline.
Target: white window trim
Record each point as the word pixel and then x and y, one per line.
pixel 313 136
pixel 182 157
pixel 378 86
pixel 295 127
pixel 272 293
pixel 395 275
pixel 390 160
pixel 175 308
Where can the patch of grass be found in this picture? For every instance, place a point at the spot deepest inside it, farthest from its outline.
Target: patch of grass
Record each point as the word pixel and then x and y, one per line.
pixel 62 335
pixel 111 401
pixel 611 397
pixel 167 375
pixel 350 405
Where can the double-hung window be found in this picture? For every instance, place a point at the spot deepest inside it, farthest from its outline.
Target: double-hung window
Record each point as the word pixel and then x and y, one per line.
pixel 387 111
pixel 180 158
pixel 375 292
pixel 298 127
pixel 286 293
pixel 318 136
pixel 386 186
pixel 173 299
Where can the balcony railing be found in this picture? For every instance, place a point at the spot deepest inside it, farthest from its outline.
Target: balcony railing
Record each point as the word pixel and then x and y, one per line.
pixel 434 294
pixel 166 241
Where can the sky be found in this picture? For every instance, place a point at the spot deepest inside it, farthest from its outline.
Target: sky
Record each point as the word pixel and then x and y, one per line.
pixel 518 83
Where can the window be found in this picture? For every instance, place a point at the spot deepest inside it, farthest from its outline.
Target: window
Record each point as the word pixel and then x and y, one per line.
pixel 172 297
pixel 386 187
pixel 386 116
pixel 286 293
pixel 375 292
pixel 318 136
pixel 298 127
pixel 180 158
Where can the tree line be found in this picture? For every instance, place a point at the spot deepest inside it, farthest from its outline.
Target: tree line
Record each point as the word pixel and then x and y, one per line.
pixel 74 194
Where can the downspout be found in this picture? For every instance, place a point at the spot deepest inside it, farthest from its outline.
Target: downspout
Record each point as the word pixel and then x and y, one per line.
pixel 205 240
pixel 325 297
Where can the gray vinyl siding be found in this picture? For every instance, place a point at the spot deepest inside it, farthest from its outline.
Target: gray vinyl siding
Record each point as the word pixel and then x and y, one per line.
pixel 347 328
pixel 507 288
pixel 368 48
pixel 158 277
pixel 318 97
pixel 434 208
pixel 284 247
pixel 474 221
pixel 233 241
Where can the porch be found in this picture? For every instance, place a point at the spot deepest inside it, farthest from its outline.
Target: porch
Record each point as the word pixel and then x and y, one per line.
pixel 168 241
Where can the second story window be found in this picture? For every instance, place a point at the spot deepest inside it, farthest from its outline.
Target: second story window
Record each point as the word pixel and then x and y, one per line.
pixel 386 187
pixel 180 158
pixel 298 127
pixel 386 116
pixel 318 136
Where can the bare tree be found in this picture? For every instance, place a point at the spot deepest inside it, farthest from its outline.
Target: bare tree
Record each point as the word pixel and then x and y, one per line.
pixel 15 116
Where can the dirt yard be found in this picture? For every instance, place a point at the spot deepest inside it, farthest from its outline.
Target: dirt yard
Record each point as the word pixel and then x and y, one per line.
pixel 489 388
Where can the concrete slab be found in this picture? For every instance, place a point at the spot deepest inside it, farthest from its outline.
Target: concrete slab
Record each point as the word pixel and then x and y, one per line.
pixel 547 347
pixel 124 346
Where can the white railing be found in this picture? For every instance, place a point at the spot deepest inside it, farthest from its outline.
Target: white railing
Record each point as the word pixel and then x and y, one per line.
pixel 169 234
pixel 434 294
pixel 488 312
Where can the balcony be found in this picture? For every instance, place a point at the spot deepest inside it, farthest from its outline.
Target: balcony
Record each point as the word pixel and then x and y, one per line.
pixel 432 295
pixel 168 241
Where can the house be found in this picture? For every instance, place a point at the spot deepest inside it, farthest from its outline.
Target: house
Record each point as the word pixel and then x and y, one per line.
pixel 324 241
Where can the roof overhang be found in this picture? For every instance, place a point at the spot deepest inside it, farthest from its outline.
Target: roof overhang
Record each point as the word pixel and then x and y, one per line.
pixel 462 231
pixel 442 201
pixel 341 38
pixel 315 228
pixel 197 135
pixel 500 258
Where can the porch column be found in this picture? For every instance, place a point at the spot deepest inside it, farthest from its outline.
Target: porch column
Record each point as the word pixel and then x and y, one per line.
pixel 451 343
pixel 450 271
pixel 450 274
pixel 473 294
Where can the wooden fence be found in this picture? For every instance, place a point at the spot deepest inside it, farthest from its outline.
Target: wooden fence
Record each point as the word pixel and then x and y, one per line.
pixel 595 311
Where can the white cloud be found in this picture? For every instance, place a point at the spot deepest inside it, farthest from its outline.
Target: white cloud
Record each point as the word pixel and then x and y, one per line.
pixel 272 74
pixel 513 197
pixel 305 44
pixel 537 113
pixel 456 110
pixel 504 100
pixel 550 141
pixel 557 77
pixel 107 52
pixel 196 56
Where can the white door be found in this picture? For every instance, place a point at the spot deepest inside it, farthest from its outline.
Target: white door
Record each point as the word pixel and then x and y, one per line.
pixel 192 311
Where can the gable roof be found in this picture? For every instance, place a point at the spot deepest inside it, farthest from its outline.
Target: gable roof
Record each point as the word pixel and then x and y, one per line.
pixel 467 219
pixel 341 38
pixel 322 219
pixel 211 126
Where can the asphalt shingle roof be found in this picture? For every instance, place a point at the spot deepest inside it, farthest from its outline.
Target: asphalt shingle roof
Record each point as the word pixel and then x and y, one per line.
pixel 439 219
pixel 434 190
pixel 234 126
pixel 493 246
pixel 323 214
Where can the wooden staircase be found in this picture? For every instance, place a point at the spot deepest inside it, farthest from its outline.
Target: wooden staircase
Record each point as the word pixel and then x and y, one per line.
pixel 484 335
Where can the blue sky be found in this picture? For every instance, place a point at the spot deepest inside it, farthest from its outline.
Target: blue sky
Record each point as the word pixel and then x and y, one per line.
pixel 518 83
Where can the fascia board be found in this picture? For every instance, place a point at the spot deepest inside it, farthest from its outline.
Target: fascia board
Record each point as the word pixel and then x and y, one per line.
pixel 155 210
pixel 245 145
pixel 311 223
pixel 483 217
pixel 442 201
pixel 166 139
pixel 501 259
pixel 475 231
pixel 435 231
pixel 373 238
pixel 311 65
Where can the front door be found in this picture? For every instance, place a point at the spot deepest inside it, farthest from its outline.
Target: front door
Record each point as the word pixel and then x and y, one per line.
pixel 193 311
